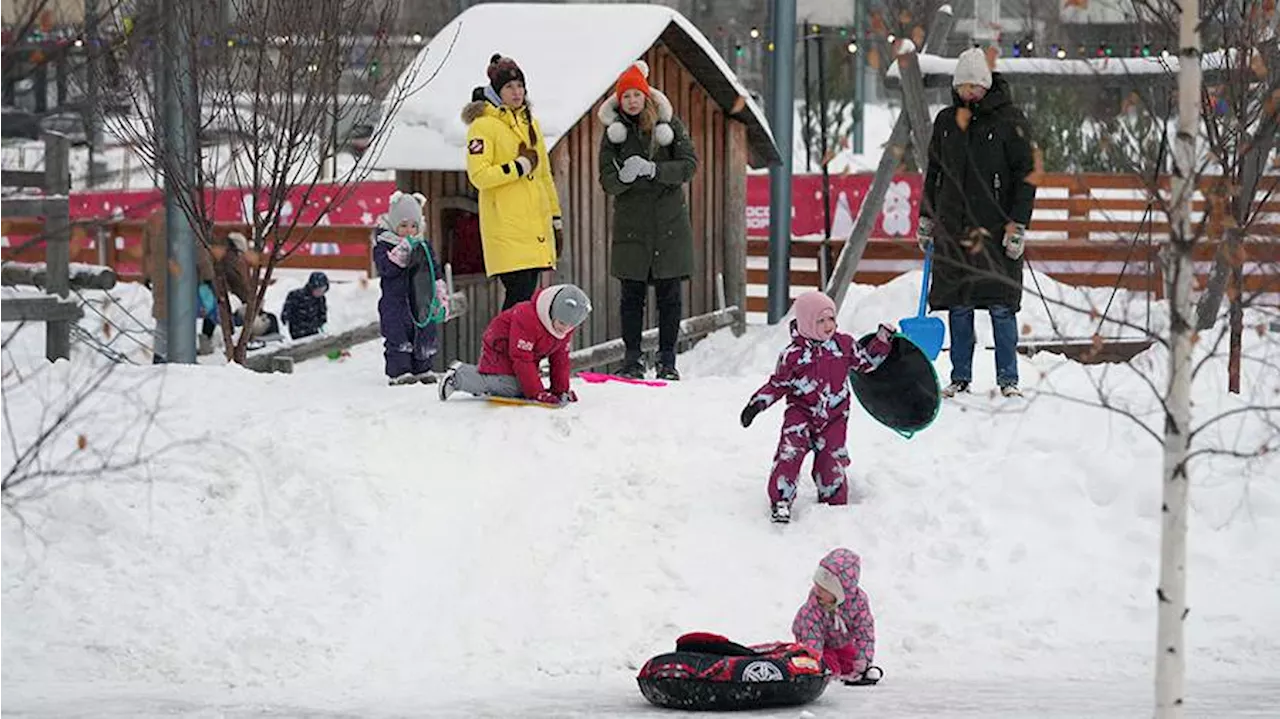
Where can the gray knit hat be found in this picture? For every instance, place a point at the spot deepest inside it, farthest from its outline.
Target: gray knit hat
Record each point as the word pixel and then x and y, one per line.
pixel 403 207
pixel 570 306
pixel 972 68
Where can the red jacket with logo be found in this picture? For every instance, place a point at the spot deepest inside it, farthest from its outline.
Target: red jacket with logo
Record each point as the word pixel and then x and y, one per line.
pixel 519 338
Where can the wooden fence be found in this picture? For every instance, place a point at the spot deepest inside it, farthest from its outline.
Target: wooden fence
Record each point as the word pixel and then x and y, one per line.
pixel 1085 231
pixel 1088 230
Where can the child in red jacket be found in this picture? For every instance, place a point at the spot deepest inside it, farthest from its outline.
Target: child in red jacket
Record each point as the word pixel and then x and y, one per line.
pixel 516 341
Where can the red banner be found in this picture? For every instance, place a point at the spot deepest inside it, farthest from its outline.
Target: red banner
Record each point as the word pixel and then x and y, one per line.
pixel 358 204
pixel 896 219
pixel 361 204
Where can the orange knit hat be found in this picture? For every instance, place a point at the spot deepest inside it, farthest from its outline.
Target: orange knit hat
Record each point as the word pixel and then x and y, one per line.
pixel 635 77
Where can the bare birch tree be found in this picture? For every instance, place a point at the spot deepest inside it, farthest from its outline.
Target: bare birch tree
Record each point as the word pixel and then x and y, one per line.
pixel 271 82
pixel 1242 430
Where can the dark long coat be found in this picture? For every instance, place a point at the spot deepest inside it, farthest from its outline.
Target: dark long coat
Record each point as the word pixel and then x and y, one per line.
pixel 652 235
pixel 975 184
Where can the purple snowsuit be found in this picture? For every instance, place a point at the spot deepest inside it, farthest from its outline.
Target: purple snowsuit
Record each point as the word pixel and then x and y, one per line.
pixel 814 377
pixel 406 293
pixel 846 638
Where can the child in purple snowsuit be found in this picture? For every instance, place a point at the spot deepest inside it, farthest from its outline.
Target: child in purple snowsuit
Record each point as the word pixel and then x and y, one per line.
pixel 411 279
pixel 813 374
pixel 836 620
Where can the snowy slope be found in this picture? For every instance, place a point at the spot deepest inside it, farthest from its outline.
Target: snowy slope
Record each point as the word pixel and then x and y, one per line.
pixel 334 544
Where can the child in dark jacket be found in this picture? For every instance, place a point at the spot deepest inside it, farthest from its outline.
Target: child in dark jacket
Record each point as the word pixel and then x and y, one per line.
pixel 305 309
pixel 414 298
pixel 516 341
pixel 813 374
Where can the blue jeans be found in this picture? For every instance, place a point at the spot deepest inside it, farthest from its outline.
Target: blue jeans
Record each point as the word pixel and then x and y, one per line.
pixel 1004 326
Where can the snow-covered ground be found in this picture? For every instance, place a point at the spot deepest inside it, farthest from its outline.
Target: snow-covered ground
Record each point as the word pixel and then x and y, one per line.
pixel 319 544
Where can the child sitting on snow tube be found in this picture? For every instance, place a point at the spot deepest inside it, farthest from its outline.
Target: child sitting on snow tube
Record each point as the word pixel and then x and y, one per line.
pixel 836 622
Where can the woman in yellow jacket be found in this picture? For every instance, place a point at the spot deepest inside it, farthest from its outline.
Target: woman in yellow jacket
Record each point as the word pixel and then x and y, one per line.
pixel 520 225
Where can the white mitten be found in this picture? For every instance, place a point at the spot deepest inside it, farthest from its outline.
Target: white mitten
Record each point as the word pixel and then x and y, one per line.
pixel 1014 242
pixel 442 294
pixel 401 252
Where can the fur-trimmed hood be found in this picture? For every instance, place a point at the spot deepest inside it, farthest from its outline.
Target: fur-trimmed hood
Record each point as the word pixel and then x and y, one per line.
pixel 611 116
pixel 482 97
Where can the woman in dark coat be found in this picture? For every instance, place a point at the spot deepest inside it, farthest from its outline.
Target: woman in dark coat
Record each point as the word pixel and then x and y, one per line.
pixel 977 205
pixel 646 157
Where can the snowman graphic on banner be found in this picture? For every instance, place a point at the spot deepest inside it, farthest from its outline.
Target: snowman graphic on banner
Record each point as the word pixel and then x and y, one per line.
pixel 896 217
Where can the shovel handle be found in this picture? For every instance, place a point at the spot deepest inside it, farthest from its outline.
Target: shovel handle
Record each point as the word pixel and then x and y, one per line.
pixel 924 284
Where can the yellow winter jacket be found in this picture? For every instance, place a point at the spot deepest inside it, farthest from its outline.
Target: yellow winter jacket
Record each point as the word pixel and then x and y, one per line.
pixel 516 210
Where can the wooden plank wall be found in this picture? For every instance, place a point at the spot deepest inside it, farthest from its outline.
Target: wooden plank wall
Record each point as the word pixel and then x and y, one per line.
pixel 587 213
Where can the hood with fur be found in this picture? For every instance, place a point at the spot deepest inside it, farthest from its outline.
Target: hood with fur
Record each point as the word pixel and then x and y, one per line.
pixel 482 97
pixel 611 116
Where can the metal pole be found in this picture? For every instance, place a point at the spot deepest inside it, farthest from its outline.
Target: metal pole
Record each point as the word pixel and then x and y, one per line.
pixel 825 268
pixel 859 75
pixel 93 69
pixel 179 181
pixel 805 129
pixel 57 230
pixel 784 60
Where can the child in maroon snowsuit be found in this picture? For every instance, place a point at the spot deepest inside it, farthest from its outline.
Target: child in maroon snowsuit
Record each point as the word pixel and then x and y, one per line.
pixel 813 374
pixel 836 619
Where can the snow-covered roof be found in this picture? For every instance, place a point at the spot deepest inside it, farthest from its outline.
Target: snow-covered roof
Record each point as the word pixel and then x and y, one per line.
pixel 571 55
pixel 934 67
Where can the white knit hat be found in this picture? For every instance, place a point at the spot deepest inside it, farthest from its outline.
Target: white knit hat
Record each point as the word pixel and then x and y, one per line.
pixel 972 68
pixel 830 582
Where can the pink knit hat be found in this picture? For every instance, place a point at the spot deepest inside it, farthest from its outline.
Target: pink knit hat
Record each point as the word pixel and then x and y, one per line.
pixel 809 308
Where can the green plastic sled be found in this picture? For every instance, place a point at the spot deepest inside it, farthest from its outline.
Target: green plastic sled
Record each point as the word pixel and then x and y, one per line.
pixel 903 392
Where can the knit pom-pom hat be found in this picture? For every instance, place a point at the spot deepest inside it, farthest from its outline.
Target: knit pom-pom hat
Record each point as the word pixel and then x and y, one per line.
pixel 503 70
pixel 636 77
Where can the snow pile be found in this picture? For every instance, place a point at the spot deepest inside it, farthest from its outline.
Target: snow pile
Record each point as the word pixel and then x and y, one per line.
pixel 332 542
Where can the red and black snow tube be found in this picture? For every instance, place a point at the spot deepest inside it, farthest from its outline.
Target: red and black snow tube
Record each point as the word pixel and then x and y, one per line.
pixel 707 672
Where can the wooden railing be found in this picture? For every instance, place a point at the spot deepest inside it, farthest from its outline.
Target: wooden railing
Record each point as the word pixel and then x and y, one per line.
pixel 119 245
pixel 1087 230
pixel 1084 230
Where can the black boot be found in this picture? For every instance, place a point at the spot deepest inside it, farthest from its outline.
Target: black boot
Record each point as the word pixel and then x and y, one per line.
pixel 631 370
pixel 668 373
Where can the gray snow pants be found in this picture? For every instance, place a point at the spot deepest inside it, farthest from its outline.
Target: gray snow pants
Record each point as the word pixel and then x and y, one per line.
pixel 467 378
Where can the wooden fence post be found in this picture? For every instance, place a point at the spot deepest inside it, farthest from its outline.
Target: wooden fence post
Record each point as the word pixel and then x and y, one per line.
pixel 735 224
pixel 873 202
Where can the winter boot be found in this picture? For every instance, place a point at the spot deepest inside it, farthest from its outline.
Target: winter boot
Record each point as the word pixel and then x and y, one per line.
pixel 670 374
pixel 448 383
pixel 406 378
pixel 204 345
pixel 427 377
pixel 1010 390
pixel 631 370
pixel 955 388
pixel 781 512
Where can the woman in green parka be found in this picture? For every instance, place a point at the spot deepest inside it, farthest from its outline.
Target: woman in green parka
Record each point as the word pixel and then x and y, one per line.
pixel 646 157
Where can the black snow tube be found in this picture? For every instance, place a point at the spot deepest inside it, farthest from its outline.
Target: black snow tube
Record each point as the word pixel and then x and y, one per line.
pixel 707 672
pixel 903 392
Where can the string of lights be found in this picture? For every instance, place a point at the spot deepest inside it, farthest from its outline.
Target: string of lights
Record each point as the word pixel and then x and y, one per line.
pixel 1026 47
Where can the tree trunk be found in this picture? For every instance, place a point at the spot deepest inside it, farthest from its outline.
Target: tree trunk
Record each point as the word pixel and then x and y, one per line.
pixel 1171 593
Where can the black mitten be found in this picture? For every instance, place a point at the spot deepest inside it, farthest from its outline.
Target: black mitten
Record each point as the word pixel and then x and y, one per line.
pixel 749 413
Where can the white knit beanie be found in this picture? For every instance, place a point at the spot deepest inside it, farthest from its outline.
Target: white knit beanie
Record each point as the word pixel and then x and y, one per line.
pixel 972 68
pixel 830 582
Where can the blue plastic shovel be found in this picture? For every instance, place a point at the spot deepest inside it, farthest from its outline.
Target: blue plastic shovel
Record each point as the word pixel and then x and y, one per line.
pixel 927 333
